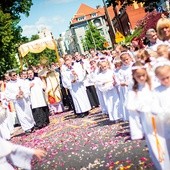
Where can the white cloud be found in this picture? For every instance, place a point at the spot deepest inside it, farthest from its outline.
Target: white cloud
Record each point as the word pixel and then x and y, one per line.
pixel 43 22
pixel 29 30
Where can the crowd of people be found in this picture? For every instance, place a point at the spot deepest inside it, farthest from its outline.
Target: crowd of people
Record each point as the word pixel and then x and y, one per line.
pixel 128 83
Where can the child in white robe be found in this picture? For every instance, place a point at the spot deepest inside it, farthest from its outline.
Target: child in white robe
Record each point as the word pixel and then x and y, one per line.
pixel 161 108
pixel 106 84
pixel 93 74
pixel 18 155
pixel 140 94
pixel 142 122
pixel 117 65
pixel 4 130
pixel 125 79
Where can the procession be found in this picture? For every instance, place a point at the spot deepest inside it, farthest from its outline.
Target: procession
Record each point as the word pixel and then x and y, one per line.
pixel 85 109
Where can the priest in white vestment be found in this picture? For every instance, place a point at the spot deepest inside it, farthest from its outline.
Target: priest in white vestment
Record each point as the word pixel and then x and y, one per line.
pixel 17 93
pixel 38 103
pixel 72 79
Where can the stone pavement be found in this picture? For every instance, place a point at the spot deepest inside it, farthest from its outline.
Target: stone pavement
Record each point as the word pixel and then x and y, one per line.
pixel 88 143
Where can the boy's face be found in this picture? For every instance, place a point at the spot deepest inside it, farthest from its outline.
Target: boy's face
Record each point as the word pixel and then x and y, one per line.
pixel 30 74
pixel 13 76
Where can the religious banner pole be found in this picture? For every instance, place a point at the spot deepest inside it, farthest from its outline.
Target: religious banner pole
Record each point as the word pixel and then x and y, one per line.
pixel 56 49
pixel 20 60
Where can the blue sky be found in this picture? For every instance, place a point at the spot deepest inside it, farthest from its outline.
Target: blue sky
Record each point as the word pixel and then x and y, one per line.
pixel 54 15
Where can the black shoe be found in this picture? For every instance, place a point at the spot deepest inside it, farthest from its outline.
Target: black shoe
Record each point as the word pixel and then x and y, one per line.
pixel 33 129
pixel 117 121
pixel 17 125
pixel 36 127
pixel 80 115
pixel 27 132
pixel 86 113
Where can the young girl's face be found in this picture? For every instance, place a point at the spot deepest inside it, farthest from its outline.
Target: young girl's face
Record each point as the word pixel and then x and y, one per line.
pixel 163 74
pixel 140 75
pixel 104 66
pixel 118 65
pixel 126 59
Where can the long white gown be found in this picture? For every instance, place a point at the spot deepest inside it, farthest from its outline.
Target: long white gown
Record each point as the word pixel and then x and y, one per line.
pixel 104 82
pixel 20 156
pixel 92 77
pixel 22 105
pixel 125 76
pixel 141 103
pixel 77 89
pixel 4 130
pixel 161 109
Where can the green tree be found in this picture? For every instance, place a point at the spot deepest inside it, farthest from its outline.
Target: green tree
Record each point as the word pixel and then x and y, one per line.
pixel 93 38
pixel 10 32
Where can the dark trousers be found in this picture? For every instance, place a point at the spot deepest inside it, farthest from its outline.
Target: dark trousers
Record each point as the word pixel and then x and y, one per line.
pixel 41 116
pixel 92 95
pixel 67 99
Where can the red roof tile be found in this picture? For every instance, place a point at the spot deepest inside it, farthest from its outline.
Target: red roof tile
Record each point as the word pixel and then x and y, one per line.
pixel 85 10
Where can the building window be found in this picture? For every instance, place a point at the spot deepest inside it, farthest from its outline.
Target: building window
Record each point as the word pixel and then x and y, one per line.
pixel 97 22
pixel 80 18
pixel 93 15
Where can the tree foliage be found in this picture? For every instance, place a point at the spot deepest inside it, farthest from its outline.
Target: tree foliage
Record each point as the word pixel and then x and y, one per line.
pixel 16 7
pixel 93 38
pixel 149 21
pixel 10 32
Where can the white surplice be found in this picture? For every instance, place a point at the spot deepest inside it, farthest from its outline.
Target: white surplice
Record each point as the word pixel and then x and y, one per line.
pixel 37 95
pixel 77 89
pixel 22 105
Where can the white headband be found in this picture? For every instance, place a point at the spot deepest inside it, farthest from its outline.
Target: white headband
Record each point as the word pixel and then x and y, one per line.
pixel 161 63
pixel 138 67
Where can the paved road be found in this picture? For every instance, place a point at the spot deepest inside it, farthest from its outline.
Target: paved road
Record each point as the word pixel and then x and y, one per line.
pixel 88 143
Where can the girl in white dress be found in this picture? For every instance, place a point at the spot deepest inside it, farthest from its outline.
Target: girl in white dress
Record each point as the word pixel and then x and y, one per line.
pixel 141 89
pixel 93 73
pixel 105 81
pixel 142 122
pixel 161 108
pixel 125 79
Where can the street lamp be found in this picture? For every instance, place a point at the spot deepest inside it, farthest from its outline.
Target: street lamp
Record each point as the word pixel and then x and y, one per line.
pixel 88 27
